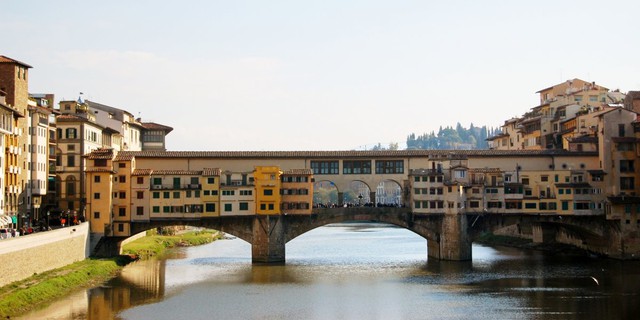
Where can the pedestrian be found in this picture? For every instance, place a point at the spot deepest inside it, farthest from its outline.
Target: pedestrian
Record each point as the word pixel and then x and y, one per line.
pixel 63 221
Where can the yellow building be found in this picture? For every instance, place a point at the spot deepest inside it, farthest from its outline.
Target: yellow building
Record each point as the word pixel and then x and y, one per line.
pixel 297 191
pixel 99 173
pixel 211 192
pixel 267 186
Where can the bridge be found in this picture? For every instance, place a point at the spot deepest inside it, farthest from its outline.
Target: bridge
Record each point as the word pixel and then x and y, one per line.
pixel 449 236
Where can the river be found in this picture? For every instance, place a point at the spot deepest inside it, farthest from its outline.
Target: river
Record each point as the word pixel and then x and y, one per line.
pixel 360 271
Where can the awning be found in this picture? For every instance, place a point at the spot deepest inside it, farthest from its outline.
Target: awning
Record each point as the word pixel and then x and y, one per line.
pixel 5 220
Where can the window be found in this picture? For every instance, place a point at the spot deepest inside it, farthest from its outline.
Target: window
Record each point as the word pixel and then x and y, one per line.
pixel 325 167
pixel 96 215
pixel 625 146
pixel 71 188
pixel 156 195
pixel 459 174
pixel 474 204
pixel 139 211
pixel 140 194
pixel 96 179
pixel 122 165
pixel 268 192
pixel 525 181
pixel 155 209
pixel 205 193
pixel 494 204
pixel 96 195
pixel 166 209
pixel 246 192
pixel 544 178
pixel 140 180
pixel 123 195
pixel 263 206
pixel 176 194
pixel 389 166
pixel 621 130
pixel 166 194
pixel 244 206
pixel 530 205
pixel 71 133
pixel 120 227
pixel 71 161
pixel 210 207
pixel 228 207
pixel 627 183
pixel 270 206
pixel 122 211
pixel 211 180
pixel 356 167
pixel 123 179
pixel 228 192
pixel 157 181
pixel 626 166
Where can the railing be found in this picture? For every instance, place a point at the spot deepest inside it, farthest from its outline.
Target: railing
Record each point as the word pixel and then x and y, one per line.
pixel 176 187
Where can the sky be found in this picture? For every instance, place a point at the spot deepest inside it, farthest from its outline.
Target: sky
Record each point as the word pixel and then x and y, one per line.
pixel 318 75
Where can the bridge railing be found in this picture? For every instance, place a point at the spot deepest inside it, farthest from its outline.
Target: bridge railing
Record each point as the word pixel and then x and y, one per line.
pixel 190 186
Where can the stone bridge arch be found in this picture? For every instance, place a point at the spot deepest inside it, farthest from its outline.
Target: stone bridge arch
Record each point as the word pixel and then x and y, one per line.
pixel 401 217
pixel 591 233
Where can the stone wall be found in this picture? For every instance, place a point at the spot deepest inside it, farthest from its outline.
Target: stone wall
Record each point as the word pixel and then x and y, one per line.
pixel 25 256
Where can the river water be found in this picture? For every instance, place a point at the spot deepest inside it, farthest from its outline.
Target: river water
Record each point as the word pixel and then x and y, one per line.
pixel 360 271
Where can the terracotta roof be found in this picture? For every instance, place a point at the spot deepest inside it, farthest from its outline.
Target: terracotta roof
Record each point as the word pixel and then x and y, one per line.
pixel 121 156
pixel 501 135
pixel 142 172
pixel 485 170
pixel 69 117
pixel 298 172
pixel 346 154
pixel 574 185
pixel 5 59
pixel 100 170
pixel 156 126
pixel 585 139
pixel 211 172
pixel 625 139
pixel 102 153
pixel 177 172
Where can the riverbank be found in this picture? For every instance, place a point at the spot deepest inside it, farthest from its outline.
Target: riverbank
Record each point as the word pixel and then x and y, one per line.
pixel 35 291
pixel 555 248
pixel 155 245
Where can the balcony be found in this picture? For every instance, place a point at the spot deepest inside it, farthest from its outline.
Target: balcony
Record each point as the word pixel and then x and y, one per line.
pixel 176 186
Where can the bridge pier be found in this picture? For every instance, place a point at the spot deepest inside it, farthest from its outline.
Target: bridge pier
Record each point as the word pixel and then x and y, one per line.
pixel 453 242
pixel 268 239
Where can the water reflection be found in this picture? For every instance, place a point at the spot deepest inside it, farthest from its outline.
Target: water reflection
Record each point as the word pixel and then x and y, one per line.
pixel 364 271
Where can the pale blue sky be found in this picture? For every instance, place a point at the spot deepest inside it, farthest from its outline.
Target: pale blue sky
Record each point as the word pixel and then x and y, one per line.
pixel 318 75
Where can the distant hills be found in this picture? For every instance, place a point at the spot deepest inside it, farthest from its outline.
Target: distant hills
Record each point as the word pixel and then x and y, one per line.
pixel 449 138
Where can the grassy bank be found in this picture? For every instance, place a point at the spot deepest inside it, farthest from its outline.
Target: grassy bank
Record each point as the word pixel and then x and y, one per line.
pixel 154 245
pixel 20 296
pixel 28 294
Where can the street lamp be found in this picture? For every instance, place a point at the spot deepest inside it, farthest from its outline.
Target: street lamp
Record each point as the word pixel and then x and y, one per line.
pixel 360 200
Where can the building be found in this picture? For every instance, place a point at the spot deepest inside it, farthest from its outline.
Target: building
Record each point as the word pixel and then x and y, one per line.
pixel 41 149
pixel 14 82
